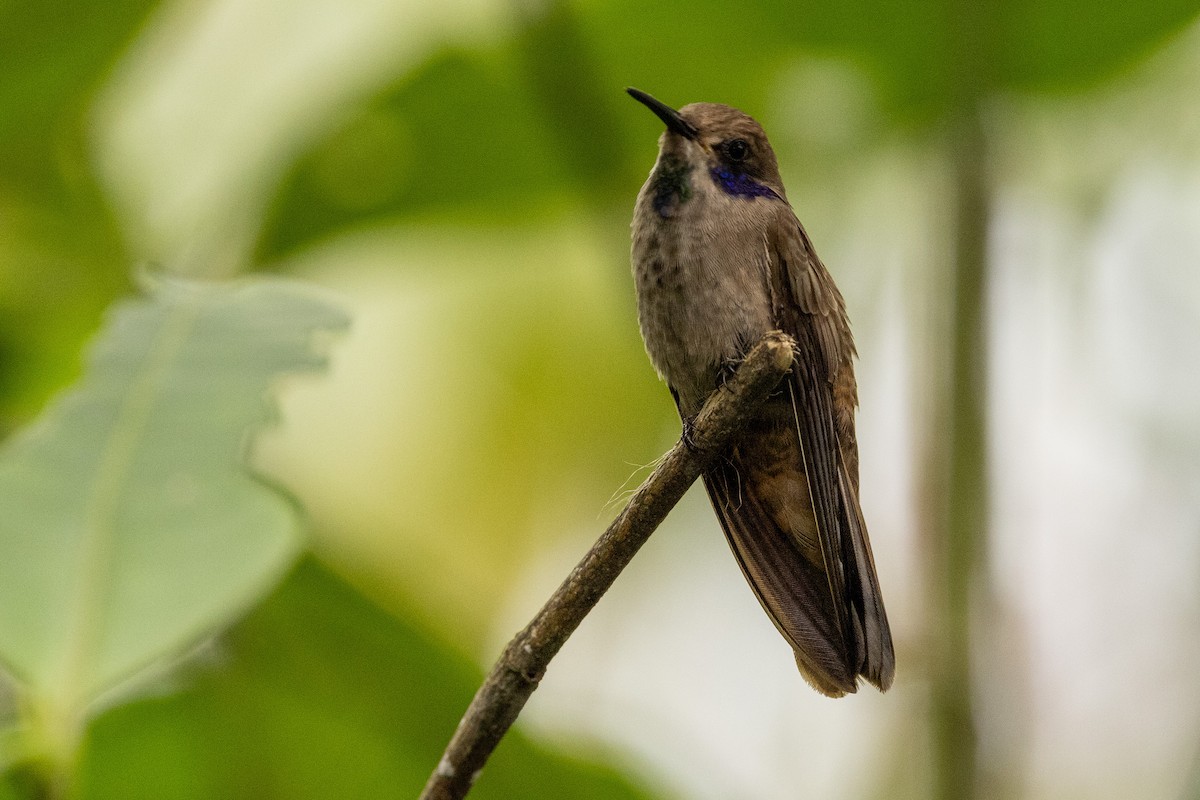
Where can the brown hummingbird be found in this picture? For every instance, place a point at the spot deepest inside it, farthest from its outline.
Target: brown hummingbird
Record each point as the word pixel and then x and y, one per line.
pixel 719 259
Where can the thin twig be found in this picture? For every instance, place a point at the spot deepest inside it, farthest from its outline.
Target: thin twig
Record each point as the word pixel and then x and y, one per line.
pixel 523 663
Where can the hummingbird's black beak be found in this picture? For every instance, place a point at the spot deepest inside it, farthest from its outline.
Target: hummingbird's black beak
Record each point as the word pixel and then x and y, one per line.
pixel 670 116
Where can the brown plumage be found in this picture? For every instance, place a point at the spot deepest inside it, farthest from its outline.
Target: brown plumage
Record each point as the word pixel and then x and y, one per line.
pixel 719 259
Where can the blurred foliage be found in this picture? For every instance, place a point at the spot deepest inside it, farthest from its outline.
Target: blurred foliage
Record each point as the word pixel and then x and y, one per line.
pixel 496 135
pixel 318 692
pixel 451 141
pixel 62 259
pixel 53 60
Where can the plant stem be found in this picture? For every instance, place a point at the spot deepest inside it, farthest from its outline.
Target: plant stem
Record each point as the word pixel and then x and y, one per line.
pixel 523 663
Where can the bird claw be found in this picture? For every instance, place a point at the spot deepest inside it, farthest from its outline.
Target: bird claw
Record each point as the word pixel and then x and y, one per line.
pixel 687 436
pixel 726 370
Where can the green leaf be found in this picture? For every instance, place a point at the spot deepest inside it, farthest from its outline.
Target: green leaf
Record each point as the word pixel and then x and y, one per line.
pixel 130 525
pixel 318 693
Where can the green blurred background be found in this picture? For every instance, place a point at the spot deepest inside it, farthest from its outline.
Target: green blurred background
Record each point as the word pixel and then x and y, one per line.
pixel 1009 197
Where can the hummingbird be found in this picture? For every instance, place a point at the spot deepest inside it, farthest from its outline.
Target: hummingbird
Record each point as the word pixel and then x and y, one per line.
pixel 719 259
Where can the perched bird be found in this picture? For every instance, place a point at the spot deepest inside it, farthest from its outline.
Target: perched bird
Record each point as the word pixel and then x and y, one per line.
pixel 719 259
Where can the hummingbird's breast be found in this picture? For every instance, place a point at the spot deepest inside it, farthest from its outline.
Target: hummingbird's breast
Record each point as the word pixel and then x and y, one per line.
pixel 700 262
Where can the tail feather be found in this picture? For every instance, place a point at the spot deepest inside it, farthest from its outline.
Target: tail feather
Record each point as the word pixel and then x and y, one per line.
pixel 831 613
pixel 793 591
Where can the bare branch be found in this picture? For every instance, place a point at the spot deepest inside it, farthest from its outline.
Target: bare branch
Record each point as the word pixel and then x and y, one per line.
pixel 523 663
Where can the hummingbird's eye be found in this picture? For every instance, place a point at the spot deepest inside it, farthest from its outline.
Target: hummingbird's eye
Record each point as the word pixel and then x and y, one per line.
pixel 737 150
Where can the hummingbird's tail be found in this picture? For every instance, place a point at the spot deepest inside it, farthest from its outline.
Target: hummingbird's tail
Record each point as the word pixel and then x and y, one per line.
pixel 793 591
pixel 818 586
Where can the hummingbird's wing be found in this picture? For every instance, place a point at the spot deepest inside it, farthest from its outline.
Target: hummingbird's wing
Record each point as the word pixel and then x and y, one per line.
pixel 825 396
pixel 787 494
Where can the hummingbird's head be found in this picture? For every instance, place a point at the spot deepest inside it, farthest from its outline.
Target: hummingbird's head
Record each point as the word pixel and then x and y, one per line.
pixel 729 145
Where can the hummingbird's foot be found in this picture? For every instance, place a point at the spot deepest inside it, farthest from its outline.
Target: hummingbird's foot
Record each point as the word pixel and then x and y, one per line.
pixel 687 436
pixel 726 370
